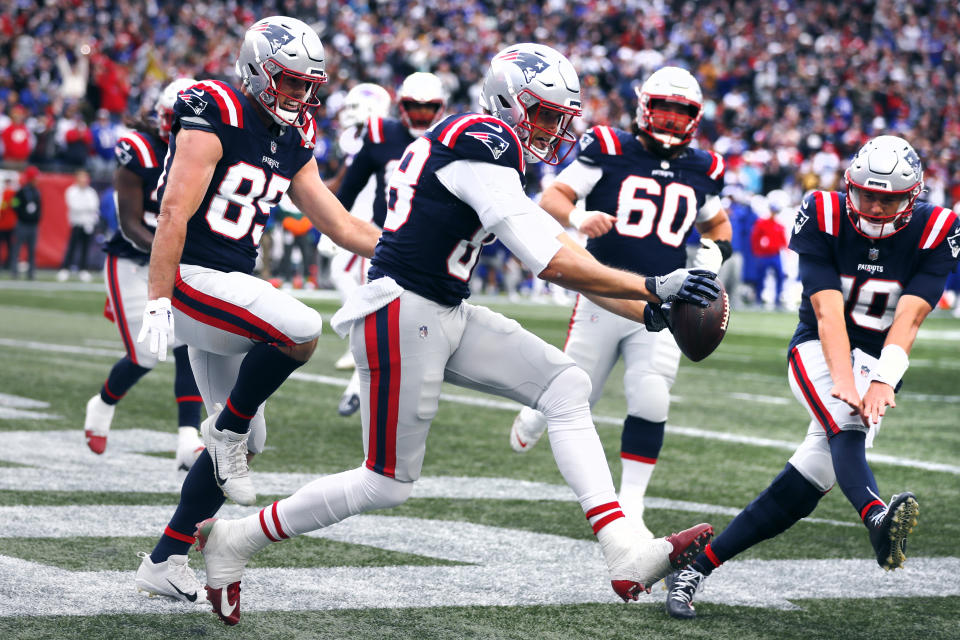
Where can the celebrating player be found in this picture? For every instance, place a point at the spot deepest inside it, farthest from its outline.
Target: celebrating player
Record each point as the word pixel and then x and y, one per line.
pixel 411 329
pixel 421 102
pixel 873 265
pixel 139 153
pixel 643 194
pixel 233 155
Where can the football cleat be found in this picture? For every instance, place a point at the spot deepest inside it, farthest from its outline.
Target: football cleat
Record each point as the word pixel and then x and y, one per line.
pixel 96 423
pixel 681 585
pixel 345 362
pixel 636 569
pixel 189 447
pixel 172 578
pixel 526 430
pixel 219 541
pixel 889 530
pixel 228 450
pixel 349 404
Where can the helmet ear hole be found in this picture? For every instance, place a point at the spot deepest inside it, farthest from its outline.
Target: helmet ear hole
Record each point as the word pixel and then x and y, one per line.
pixel 503 101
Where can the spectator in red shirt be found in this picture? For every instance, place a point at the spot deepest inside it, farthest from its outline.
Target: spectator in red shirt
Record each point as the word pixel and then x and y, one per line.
pixel 767 239
pixel 18 140
pixel 8 221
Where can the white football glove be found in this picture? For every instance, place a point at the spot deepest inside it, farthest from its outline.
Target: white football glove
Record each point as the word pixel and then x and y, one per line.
pixel 327 248
pixel 158 325
pixel 708 256
pixel 591 223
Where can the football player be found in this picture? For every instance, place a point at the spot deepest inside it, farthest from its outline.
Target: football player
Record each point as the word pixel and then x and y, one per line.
pixel 421 102
pixel 139 154
pixel 642 195
pixel 411 329
pixel 233 154
pixel 873 264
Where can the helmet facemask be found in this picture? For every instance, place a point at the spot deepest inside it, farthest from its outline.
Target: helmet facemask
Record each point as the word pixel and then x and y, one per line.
pixel 421 102
pixel 545 130
pixel 284 88
pixel 879 213
pixel 670 120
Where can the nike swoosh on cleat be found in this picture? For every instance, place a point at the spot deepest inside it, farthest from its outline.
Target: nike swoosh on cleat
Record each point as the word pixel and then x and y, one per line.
pixel 192 597
pixel 225 607
pixel 216 473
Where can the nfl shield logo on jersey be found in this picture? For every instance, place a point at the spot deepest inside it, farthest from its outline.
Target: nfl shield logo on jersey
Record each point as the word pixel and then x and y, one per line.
pixel 423 332
pixel 873 253
pixel 273 146
pixel 864 371
pixel 496 144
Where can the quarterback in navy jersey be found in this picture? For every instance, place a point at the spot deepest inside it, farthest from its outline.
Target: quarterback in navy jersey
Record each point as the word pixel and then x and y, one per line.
pixel 140 152
pixel 873 263
pixel 410 328
pixel 420 101
pixel 233 154
pixel 642 195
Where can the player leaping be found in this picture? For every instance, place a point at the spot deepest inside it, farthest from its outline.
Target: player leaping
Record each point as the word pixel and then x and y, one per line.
pixel 411 328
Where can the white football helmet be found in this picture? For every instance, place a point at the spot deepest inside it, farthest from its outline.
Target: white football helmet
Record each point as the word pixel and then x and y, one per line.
pixel 536 91
pixel 421 102
pixel 163 109
pixel 276 51
pixel 364 101
pixel 883 182
pixel 658 115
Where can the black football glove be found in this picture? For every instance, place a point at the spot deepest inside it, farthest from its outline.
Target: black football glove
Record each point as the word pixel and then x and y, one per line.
pixel 696 286
pixel 656 317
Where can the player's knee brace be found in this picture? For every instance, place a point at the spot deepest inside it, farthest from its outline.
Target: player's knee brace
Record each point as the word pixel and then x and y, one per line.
pixel 813 461
pixel 648 397
pixel 381 492
pixel 566 400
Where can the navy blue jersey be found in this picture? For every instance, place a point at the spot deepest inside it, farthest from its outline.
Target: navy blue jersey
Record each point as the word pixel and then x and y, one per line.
pixel 871 274
pixel 655 200
pixel 258 163
pixel 432 239
pixel 143 154
pixel 384 140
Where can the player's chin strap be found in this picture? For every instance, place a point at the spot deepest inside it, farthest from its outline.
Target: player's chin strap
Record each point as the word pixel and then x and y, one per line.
pixel 891 366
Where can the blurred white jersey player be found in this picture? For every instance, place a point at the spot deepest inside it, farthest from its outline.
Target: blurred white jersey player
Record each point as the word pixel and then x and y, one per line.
pixel 642 195
pixel 421 102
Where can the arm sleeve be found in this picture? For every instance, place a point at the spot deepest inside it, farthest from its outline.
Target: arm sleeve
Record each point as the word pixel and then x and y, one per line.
pixel 711 207
pixel 580 177
pixel 496 194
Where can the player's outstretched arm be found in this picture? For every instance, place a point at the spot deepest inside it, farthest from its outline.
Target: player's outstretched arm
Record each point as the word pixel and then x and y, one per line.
pixel 910 314
pixel 835 343
pixel 190 173
pixel 328 215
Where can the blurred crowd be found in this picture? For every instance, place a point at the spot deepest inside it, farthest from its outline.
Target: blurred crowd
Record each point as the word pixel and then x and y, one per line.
pixel 792 87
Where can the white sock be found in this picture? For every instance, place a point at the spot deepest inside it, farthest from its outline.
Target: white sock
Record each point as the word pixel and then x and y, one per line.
pixel 633 486
pixel 353 387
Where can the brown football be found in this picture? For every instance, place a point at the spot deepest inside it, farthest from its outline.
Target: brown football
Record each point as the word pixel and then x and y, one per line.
pixel 699 330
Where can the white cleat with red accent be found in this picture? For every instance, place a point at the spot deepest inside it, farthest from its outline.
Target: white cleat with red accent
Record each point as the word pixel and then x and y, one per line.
pixel 526 430
pixel 96 423
pixel 637 567
pixel 221 542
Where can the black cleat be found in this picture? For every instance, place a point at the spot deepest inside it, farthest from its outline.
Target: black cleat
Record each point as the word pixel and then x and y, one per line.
pixel 889 530
pixel 681 585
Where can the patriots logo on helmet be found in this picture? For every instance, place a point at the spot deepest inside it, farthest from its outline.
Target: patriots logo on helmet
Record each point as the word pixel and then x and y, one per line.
pixel 954 242
pixel 195 102
pixel 529 63
pixel 276 36
pixel 495 143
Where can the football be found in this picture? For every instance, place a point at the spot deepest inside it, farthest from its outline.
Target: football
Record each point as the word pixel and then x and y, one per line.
pixel 699 330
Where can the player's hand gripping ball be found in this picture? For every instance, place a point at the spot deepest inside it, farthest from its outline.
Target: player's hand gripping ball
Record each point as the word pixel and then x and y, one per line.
pixel 699 330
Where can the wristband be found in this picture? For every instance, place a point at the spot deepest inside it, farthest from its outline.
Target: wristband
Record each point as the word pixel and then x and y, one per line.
pixel 726 249
pixel 578 216
pixel 891 366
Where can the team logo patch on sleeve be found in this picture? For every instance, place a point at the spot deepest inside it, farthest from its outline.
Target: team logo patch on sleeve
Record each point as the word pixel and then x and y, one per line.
pixel 802 217
pixel 123 153
pixel 495 143
pixel 585 140
pixel 194 100
pixel 954 242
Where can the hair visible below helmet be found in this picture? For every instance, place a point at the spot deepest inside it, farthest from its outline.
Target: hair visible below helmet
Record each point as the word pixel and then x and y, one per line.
pixel 364 101
pixel 886 167
pixel 420 89
pixel 536 91
pixel 278 48
pixel 165 101
pixel 666 126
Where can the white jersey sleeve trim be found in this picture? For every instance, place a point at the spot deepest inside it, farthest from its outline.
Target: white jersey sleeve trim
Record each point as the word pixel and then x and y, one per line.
pixel 580 177
pixel 495 193
pixel 711 207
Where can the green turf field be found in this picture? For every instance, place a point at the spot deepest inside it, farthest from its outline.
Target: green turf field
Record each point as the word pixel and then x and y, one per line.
pixel 492 544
